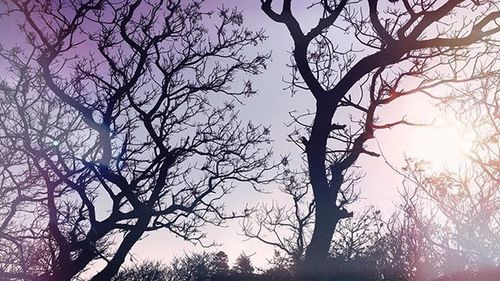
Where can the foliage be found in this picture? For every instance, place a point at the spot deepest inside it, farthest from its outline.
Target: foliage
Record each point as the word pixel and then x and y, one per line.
pixel 147 271
pixel 243 264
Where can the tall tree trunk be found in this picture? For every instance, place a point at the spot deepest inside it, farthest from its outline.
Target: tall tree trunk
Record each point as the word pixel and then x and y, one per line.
pixel 327 215
pixel 315 263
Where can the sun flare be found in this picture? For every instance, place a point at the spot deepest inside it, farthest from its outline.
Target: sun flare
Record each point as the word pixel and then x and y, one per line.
pixel 442 146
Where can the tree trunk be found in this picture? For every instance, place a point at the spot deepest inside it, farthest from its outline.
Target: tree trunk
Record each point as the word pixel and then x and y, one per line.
pixel 315 263
pixel 128 242
pixel 326 214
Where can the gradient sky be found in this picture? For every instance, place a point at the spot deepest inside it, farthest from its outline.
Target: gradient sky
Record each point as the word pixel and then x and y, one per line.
pixel 271 107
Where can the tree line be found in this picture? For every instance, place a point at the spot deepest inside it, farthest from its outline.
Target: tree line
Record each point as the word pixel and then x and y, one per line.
pixel 118 118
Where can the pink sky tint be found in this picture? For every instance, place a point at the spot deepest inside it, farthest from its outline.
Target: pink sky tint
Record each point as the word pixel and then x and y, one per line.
pixel 271 107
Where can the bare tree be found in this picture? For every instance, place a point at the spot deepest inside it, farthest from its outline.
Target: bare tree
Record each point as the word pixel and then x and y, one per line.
pixel 361 56
pixel 405 249
pixel 120 118
pixel 289 228
pixel 35 131
pixel 357 235
pixel 447 227
pixel 286 228
pixel 468 199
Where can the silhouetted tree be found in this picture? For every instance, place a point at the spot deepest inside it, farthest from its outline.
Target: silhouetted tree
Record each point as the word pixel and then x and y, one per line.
pixel 286 228
pixel 147 271
pixel 405 250
pixel 289 228
pixel 194 267
pixel 280 268
pixel 118 118
pixel 466 200
pixel 200 266
pixel 221 262
pixel 351 254
pixel 387 51
pixel 243 264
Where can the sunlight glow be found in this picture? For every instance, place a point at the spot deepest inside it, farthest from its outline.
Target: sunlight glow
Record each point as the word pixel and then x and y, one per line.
pixel 444 147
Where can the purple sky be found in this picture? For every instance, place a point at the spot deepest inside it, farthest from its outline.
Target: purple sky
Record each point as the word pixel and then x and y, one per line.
pixel 271 107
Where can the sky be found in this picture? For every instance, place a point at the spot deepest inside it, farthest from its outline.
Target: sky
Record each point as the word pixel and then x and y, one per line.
pixel 271 107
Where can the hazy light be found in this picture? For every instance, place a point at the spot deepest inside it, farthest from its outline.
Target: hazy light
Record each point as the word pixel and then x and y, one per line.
pixel 442 146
